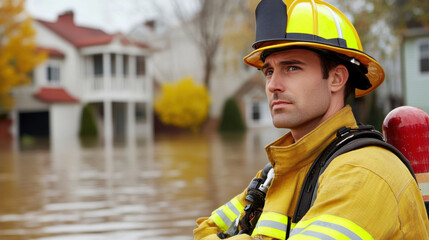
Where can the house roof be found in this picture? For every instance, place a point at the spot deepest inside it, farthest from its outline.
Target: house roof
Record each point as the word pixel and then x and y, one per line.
pixel 254 82
pixel 55 95
pixel 52 52
pixel 81 36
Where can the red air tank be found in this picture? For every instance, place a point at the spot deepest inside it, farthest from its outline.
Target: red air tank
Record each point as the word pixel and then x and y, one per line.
pixel 407 128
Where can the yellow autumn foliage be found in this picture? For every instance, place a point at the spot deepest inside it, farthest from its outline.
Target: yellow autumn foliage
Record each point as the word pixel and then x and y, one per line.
pixel 183 104
pixel 18 55
pixel 239 34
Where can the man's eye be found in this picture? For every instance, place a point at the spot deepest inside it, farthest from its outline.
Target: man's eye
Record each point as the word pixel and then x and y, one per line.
pixel 293 68
pixel 268 72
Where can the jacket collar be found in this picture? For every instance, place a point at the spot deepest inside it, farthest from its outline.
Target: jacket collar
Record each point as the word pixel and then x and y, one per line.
pixel 285 155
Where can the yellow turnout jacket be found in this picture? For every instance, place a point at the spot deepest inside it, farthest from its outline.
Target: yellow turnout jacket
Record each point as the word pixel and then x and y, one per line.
pixel 363 194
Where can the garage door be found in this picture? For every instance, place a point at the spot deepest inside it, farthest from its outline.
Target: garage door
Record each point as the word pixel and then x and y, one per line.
pixel 35 124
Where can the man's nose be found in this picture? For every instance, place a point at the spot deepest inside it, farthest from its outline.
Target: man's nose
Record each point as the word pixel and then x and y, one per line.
pixel 275 83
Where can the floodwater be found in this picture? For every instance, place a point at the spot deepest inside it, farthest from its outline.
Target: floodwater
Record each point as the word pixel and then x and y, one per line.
pixel 146 189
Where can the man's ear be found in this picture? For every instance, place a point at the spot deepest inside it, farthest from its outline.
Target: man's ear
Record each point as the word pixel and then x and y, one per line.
pixel 339 76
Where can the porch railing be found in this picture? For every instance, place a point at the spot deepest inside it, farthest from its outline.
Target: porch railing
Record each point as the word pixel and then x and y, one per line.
pixel 96 87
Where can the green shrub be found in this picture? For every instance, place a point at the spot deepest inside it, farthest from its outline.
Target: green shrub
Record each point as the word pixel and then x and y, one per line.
pixel 88 124
pixel 231 120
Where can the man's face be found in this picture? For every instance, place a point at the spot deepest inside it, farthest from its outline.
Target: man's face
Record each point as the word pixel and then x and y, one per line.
pixel 298 95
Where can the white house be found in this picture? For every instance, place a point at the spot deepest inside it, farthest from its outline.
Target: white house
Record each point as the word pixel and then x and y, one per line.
pixel 85 66
pixel 415 67
pixel 178 56
pixel 253 103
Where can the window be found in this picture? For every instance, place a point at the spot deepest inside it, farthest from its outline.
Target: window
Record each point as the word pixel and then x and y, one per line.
pixel 256 111
pixel 98 64
pixel 113 64
pixel 424 56
pixel 125 65
pixel 53 73
pixel 140 66
pixel 141 114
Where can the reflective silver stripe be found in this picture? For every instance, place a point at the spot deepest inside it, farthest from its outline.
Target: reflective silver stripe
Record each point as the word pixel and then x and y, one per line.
pixel 296 231
pixel 347 232
pixel 337 22
pixel 339 228
pixel 318 235
pixel 233 208
pixel 272 224
pixel 224 218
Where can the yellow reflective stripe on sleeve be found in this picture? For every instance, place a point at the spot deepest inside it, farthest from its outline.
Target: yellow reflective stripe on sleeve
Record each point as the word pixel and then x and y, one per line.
pixel 236 206
pixel 225 215
pixel 329 227
pixel 271 224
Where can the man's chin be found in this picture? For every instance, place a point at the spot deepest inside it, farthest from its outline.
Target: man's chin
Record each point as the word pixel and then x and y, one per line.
pixel 283 121
pixel 279 124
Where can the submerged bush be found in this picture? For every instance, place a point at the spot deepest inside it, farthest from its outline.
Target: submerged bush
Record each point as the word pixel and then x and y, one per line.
pixel 231 120
pixel 88 124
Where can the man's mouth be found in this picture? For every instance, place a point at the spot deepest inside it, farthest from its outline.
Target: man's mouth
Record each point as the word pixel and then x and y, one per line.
pixel 277 104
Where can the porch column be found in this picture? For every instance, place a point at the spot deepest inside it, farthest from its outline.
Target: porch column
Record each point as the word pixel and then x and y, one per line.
pixel 119 69
pixel 107 74
pixel 132 70
pixel 148 90
pixel 149 119
pixel 108 123
pixel 107 103
pixel 131 121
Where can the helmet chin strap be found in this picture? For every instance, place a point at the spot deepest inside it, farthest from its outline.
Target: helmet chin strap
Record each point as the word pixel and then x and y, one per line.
pixel 355 61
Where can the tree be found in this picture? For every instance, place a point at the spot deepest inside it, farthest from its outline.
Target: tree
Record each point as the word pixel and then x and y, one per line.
pixel 380 24
pixel 410 13
pixel 183 104
pixel 206 28
pixel 239 33
pixel 18 55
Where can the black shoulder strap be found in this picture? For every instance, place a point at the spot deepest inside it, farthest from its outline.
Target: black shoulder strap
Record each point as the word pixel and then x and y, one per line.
pixel 347 140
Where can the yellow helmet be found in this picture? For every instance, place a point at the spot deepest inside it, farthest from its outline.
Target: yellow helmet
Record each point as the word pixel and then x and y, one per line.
pixel 313 24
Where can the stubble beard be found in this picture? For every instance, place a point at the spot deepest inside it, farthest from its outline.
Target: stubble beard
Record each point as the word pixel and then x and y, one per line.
pixel 285 118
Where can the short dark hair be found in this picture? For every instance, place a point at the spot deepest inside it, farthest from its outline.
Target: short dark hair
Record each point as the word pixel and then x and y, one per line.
pixel 328 61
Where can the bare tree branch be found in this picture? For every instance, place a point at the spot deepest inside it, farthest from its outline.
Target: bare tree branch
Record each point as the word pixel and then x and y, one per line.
pixel 206 28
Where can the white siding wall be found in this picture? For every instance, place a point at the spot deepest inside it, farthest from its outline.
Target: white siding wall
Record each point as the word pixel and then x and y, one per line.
pixel 416 83
pixel 64 121
pixel 71 74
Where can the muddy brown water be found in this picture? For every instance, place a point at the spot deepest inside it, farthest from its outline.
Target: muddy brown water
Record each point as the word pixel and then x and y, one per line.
pixel 147 189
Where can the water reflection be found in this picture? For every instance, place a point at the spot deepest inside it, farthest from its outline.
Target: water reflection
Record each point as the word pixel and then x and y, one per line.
pixel 138 190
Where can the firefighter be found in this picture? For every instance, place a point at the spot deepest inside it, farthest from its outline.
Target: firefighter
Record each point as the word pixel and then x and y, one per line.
pixel 312 59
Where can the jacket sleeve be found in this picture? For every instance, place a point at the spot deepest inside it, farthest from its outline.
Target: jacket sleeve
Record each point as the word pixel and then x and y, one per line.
pixel 361 199
pixel 222 219
pixel 207 230
pixel 345 205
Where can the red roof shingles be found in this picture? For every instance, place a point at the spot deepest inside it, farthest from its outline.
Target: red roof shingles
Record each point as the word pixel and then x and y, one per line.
pixel 55 95
pixel 82 36
pixel 52 52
